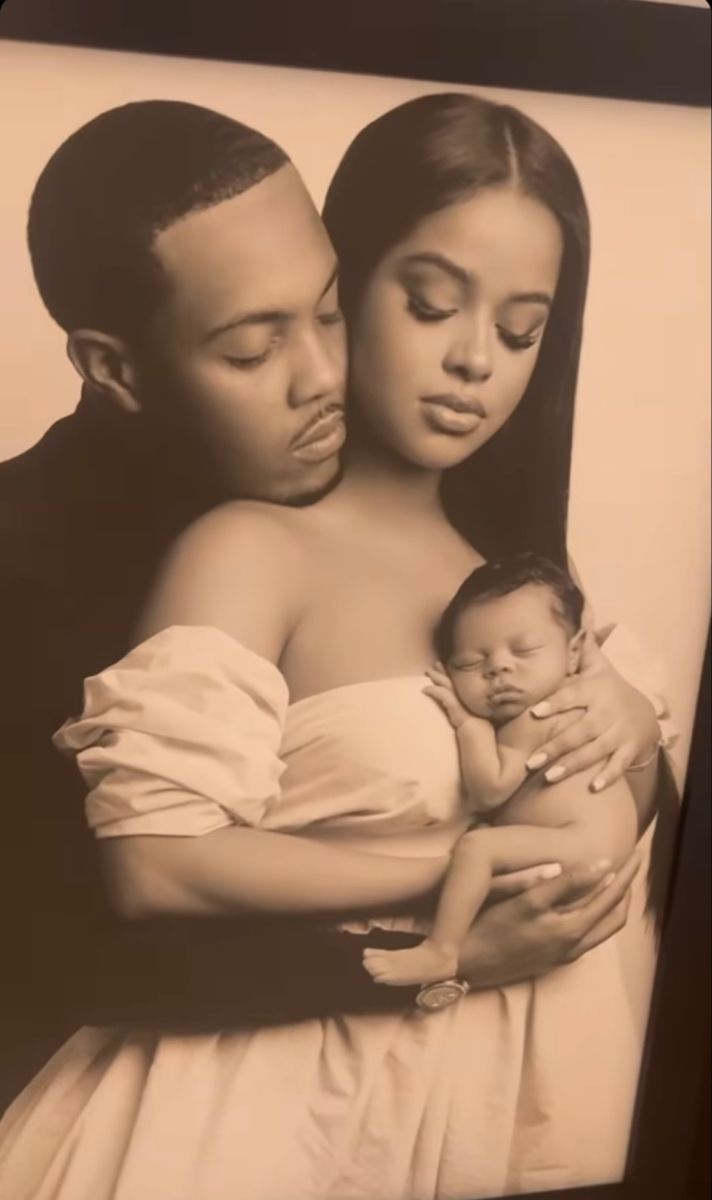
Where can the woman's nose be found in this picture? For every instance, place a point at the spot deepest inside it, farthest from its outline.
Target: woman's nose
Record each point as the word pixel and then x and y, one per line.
pixel 470 357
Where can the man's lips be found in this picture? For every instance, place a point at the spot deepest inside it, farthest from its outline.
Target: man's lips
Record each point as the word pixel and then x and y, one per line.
pixel 322 438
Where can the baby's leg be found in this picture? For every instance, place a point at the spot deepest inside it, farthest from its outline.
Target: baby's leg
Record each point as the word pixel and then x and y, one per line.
pixel 603 827
pixel 478 856
pixel 464 892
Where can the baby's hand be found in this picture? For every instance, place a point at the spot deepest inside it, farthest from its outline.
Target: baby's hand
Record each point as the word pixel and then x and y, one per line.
pixel 443 691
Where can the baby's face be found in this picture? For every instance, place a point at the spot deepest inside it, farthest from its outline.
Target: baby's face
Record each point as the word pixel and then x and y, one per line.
pixel 510 652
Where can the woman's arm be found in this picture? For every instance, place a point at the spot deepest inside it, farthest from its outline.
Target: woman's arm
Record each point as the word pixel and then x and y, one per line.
pixel 242 870
pixel 242 570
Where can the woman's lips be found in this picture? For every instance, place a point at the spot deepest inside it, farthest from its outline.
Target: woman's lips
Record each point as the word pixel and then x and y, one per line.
pixel 453 414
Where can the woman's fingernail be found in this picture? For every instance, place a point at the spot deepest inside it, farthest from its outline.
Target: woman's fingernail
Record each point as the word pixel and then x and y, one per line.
pixel 542 710
pixel 599 867
pixel 597 785
pixel 551 871
pixel 608 879
pixel 536 760
pixel 554 773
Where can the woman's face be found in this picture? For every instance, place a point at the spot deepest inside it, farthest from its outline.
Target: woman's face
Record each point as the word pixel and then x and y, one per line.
pixel 450 323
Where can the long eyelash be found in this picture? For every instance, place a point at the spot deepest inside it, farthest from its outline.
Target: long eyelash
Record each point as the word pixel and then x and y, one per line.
pixel 514 341
pixel 424 312
pixel 331 318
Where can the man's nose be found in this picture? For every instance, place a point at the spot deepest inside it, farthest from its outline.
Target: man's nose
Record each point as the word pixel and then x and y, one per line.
pixel 319 366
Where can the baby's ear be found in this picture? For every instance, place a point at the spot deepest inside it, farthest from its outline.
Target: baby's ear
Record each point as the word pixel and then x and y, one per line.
pixel 575 650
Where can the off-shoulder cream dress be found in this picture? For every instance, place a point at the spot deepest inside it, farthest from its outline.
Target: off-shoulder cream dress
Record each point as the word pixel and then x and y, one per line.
pixel 513 1089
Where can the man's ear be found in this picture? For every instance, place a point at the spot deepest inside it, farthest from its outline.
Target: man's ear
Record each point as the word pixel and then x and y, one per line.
pixel 105 363
pixel 575 650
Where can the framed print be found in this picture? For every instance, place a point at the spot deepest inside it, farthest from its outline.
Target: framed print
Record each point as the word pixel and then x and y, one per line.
pixel 354 526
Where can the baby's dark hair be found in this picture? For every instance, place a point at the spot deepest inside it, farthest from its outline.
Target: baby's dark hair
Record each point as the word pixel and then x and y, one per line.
pixel 502 576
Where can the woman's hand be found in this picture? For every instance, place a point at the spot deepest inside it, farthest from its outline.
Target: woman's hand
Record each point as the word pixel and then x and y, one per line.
pixel 617 726
pixel 547 926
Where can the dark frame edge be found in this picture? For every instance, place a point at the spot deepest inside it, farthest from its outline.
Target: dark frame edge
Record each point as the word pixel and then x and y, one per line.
pixel 594 48
pixel 623 49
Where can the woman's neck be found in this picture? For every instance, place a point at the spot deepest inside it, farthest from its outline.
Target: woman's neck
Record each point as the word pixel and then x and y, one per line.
pixel 382 482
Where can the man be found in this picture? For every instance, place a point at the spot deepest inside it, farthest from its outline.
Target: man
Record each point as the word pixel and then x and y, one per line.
pixel 181 254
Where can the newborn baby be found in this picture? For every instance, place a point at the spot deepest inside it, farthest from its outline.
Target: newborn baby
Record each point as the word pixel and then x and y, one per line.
pixel 507 640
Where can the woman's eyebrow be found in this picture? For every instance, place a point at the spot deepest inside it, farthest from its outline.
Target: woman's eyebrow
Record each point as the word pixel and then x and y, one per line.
pixel 433 259
pixel 531 298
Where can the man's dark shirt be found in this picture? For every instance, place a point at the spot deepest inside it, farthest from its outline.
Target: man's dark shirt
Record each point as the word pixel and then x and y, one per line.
pixel 85 518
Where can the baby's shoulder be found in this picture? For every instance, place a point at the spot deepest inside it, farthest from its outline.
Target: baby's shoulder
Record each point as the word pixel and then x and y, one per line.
pixel 528 733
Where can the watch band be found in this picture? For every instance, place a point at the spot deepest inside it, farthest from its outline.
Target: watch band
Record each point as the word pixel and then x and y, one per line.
pixel 434 996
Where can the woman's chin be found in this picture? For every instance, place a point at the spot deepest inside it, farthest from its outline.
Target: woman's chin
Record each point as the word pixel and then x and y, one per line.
pixel 437 452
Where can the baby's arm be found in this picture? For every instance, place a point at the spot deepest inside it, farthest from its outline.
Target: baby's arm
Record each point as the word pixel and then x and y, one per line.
pixel 491 770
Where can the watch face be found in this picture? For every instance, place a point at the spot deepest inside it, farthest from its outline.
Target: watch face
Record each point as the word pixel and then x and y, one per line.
pixel 439 995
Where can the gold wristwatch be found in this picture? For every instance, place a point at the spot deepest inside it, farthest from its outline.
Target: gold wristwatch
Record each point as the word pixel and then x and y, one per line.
pixel 434 996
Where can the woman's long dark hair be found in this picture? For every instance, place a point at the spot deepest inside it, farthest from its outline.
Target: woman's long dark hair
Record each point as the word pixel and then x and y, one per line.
pixel 413 161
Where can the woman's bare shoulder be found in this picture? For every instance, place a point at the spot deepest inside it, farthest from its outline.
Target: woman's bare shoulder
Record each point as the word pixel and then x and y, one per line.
pixel 242 529
pixel 240 568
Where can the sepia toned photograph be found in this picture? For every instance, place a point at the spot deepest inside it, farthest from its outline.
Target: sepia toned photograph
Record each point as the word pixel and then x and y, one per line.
pixel 354 545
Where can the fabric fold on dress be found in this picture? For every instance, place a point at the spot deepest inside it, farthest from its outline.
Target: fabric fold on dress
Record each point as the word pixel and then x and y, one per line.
pixel 157 745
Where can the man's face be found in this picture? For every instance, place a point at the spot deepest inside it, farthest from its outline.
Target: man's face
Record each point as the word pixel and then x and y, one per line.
pixel 246 355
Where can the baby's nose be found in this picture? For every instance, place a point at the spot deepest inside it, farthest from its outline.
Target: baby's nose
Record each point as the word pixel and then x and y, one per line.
pixel 498 665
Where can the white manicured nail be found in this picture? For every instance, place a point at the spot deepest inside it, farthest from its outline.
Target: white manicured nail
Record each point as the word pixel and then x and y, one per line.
pixel 551 871
pixel 554 773
pixel 536 760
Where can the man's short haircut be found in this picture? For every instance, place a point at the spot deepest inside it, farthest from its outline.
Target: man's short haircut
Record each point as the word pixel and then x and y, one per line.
pixel 502 576
pixel 113 186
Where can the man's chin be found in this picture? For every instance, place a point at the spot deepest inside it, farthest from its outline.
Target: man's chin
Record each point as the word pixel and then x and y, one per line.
pixel 310 494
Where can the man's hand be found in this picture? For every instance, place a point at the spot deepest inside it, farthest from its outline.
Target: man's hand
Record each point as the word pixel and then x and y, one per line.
pixel 513 883
pixel 617 726
pixel 547 926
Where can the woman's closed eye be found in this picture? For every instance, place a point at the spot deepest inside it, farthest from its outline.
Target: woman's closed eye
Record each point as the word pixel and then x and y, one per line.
pixel 519 341
pixel 423 310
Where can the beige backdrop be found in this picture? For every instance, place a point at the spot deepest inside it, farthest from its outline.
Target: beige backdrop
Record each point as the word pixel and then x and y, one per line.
pixel 639 513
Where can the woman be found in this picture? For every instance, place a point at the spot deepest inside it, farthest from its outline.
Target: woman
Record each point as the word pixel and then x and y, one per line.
pixel 279 692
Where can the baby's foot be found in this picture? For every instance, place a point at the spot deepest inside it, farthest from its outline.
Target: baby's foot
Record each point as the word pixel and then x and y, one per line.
pixel 426 963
